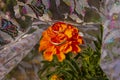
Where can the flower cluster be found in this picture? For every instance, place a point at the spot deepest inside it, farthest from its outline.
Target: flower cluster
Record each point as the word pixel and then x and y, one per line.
pixel 60 39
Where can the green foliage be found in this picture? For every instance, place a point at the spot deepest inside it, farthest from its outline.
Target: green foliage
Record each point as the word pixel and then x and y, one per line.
pixel 9 5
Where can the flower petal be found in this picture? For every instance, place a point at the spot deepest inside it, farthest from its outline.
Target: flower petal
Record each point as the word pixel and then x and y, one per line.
pixel 44 44
pixel 54 77
pixel 75 49
pixel 59 39
pixel 49 33
pixel 68 32
pixel 65 48
pixel 59 27
pixel 80 40
pixel 48 54
pixel 45 41
pixel 61 56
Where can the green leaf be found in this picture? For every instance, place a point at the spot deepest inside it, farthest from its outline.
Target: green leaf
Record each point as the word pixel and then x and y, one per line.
pixel 71 66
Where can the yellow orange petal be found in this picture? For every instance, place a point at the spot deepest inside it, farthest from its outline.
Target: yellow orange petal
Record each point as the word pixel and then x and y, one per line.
pixel 54 77
pixel 45 41
pixel 48 54
pixel 65 48
pixel 58 39
pixel 61 56
pixel 68 33
pixel 49 33
pixel 44 44
pixel 59 27
pixel 80 40
pixel 68 49
pixel 76 49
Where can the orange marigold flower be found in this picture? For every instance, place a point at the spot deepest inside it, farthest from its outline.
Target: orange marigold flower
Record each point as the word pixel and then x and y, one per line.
pixel 60 39
pixel 55 77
